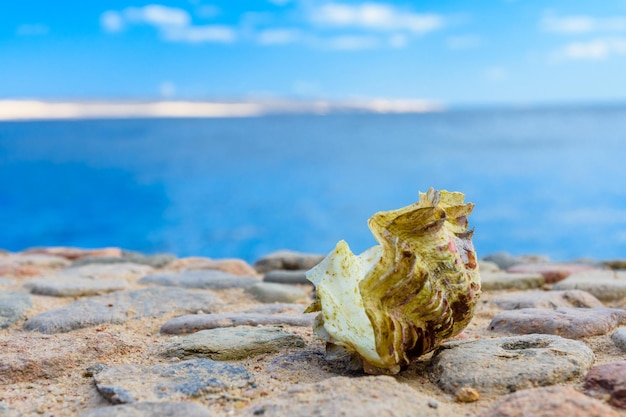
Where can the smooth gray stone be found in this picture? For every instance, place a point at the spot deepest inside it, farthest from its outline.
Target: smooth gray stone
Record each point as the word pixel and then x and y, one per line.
pixel 129 383
pixel 287 277
pixel 206 279
pixel 369 396
pixel 509 364
pixel 194 322
pixel 268 292
pixel 510 280
pixel 573 323
pixel 604 285
pixel 232 343
pixel 13 305
pixel 6 282
pixel 546 299
pixel 286 259
pixel 151 409
pixel 505 260
pixel 70 286
pixel 276 308
pixel 121 307
pixel 619 338
pixel 155 261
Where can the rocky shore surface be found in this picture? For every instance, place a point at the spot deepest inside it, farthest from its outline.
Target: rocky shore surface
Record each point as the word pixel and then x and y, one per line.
pixel 107 332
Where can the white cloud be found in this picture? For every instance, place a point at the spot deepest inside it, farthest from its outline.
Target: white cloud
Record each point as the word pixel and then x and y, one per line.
pixel 398 41
pixel 32 30
pixel 463 42
pixel 374 16
pixel 278 36
pixel 351 42
pixel 157 15
pixel 207 11
pixel 111 21
pixel 596 49
pixel 570 25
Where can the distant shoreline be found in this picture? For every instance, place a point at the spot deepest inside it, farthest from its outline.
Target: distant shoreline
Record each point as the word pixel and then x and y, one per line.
pixel 66 110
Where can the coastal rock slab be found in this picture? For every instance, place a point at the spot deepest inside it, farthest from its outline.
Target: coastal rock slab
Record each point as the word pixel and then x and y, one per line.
pixel 510 281
pixel 151 409
pixel 572 323
pixel 341 396
pixel 130 383
pixel 604 285
pixel 121 307
pixel 72 253
pixel 546 299
pixel 25 265
pixel 25 358
pixel 195 322
pixel 230 266
pixel 70 286
pixel 608 378
pixel 505 260
pixel 268 292
pixel 155 261
pixel 232 343
pixel 619 338
pixel 552 272
pixel 488 266
pixel 122 270
pixel 205 279
pixel 286 259
pixel 554 401
pixel 509 364
pixel 276 308
pixel 13 305
pixel 287 277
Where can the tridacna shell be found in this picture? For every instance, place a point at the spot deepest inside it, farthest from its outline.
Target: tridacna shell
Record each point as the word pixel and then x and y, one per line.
pixel 402 298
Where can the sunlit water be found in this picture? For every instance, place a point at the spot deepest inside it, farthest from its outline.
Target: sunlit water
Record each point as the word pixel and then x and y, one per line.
pixel 543 181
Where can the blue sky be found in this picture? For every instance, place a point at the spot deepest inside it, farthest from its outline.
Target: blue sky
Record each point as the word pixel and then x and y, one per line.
pixel 456 52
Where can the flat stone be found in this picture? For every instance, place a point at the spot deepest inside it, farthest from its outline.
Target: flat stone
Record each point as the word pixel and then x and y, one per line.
pixel 572 323
pixel 552 272
pixel 130 383
pixel 505 260
pixel 29 265
pixel 121 307
pixel 194 322
pixel 608 378
pixel 553 401
pixel 286 259
pixel 371 396
pixel 206 279
pixel 5 282
pixel 13 305
pixel 510 280
pixel 28 357
pixel 232 343
pixel 269 292
pixel 546 299
pixel 604 285
pixel 72 253
pixel 276 308
pixel 156 261
pixel 287 277
pixel 488 266
pixel 509 364
pixel 68 286
pixel 122 270
pixel 230 266
pixel 151 409
pixel 619 338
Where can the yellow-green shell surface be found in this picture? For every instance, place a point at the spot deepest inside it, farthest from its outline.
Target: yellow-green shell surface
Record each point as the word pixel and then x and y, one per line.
pixel 402 298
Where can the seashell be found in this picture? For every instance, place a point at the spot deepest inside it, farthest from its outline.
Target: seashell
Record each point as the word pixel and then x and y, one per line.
pixel 402 298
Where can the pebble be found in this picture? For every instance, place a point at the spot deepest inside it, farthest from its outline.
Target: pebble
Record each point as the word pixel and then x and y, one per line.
pixel 608 378
pixel 466 395
pixel 130 383
pixel 508 364
pixel 231 266
pixel 69 286
pixel 546 299
pixel 71 253
pixel 619 338
pixel 342 396
pixel 604 285
pixel 555 401
pixel 552 272
pixel 13 305
pixel 269 292
pixel 155 261
pixel 121 307
pixel 572 323
pixel 205 279
pixel 194 322
pixel 287 277
pixel 232 343
pixel 26 358
pixel 490 281
pixel 505 260
pixel 151 409
pixel 286 259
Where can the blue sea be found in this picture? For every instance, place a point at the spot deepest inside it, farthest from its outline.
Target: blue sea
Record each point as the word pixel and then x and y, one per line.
pixel 545 181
